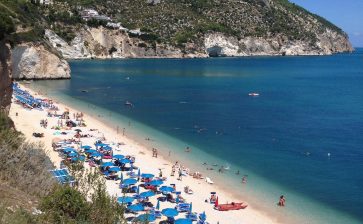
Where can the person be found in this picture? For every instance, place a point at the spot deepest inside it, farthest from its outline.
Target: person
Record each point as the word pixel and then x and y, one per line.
pixel 160 173
pixel 237 173
pixel 188 149
pixel 180 174
pixel 172 170
pixel 244 179
pixel 282 201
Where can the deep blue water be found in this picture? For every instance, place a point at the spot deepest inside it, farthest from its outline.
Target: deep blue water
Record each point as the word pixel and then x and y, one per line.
pixel 307 105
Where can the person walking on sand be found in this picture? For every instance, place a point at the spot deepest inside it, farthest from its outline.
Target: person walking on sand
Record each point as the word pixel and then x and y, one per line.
pixel 160 173
pixel 180 174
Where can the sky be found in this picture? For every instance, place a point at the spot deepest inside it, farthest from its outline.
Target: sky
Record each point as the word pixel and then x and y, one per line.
pixel 346 14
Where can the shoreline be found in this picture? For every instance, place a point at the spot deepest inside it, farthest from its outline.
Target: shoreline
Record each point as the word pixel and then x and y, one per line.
pixel 143 154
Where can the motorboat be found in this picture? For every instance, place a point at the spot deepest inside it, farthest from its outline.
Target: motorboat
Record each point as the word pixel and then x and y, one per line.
pixel 253 94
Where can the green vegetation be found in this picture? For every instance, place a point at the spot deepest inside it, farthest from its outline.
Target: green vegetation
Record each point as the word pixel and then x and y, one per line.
pixel 172 22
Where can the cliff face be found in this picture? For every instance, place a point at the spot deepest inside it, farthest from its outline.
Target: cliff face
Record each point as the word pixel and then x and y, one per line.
pixel 5 77
pixel 328 42
pixel 35 62
pixel 106 43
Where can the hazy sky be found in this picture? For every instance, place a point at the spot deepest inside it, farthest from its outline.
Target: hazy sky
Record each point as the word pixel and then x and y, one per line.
pixel 346 14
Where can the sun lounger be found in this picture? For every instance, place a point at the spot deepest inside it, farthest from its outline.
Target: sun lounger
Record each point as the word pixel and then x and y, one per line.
pixel 208 180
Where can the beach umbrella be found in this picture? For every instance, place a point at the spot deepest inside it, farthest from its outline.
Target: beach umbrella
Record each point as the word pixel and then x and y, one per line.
pixel 147 194
pixel 100 144
pixel 177 200
pixel 138 172
pixel 157 205
pixel 73 154
pixel 155 182
pixel 86 147
pixel 125 199
pixel 107 147
pixel 118 157
pixel 77 130
pixel 216 202
pixel 136 207
pixel 129 181
pixel 170 212
pixel 67 150
pixel 90 151
pixel 96 154
pixel 183 221
pixel 82 158
pixel 114 169
pixel 191 207
pixel 146 218
pixel 125 161
pixel 147 175
pixel 203 216
pixel 166 189
pixel 107 164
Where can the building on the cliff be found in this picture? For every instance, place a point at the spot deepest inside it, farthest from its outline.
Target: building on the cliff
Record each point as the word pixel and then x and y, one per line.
pixel 43 2
pixel 88 14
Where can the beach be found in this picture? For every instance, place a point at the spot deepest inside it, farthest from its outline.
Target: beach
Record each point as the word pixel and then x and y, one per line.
pixel 28 122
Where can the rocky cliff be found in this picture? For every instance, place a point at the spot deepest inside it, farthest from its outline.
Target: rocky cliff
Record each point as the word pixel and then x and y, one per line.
pixel 108 43
pixel 5 77
pixel 30 61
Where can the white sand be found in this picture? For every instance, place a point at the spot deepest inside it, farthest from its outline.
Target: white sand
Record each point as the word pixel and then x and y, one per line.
pixel 28 121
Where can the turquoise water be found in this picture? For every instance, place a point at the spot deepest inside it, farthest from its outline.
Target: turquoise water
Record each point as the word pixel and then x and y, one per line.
pixel 308 108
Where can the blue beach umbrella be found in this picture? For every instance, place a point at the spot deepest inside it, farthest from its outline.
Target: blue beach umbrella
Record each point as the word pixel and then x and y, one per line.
pixel 90 151
pixel 170 212
pixel 129 181
pixel 114 169
pixel 190 207
pixel 96 154
pixel 118 157
pixel 155 182
pixel 138 172
pixel 136 207
pixel 183 221
pixel 122 200
pixel 203 216
pixel 146 218
pixel 107 164
pixel 101 145
pixel 147 194
pixel 86 147
pixel 107 147
pixel 166 189
pixel 68 150
pixel 73 154
pixel 147 175
pixel 157 205
pixel 177 200
pixel 125 161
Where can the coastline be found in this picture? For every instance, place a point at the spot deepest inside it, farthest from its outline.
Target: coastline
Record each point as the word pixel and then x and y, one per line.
pixel 143 155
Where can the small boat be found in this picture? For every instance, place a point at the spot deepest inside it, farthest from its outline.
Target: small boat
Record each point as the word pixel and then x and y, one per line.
pixel 128 103
pixel 253 94
pixel 84 91
pixel 231 206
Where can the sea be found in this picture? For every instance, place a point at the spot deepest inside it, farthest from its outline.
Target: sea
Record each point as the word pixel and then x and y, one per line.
pixel 301 137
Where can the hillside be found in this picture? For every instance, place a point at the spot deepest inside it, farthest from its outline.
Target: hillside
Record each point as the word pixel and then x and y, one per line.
pixel 225 27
